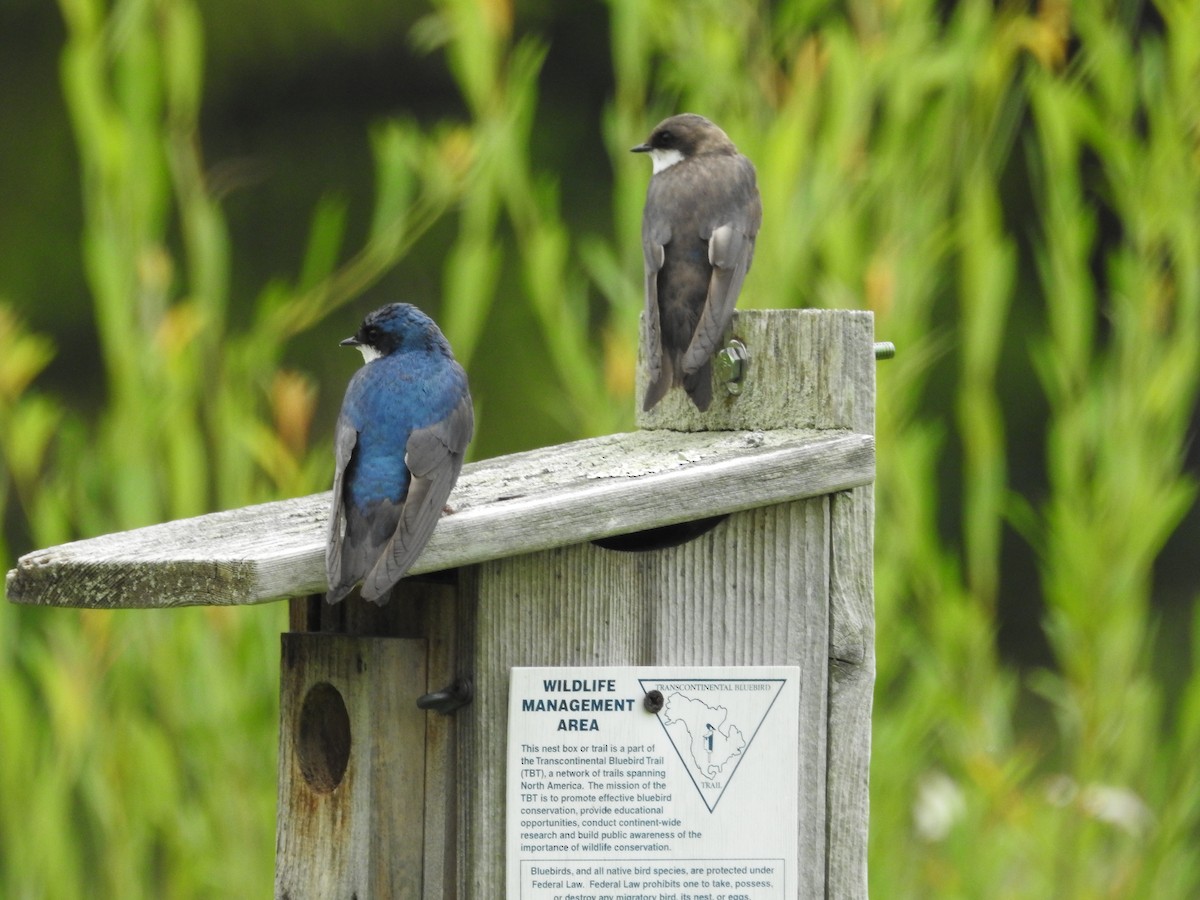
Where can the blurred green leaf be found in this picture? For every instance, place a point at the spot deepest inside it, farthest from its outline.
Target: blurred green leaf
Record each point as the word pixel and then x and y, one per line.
pixel 325 236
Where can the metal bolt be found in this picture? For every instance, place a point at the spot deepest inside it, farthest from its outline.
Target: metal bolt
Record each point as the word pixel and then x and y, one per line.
pixel 653 701
pixel 884 349
pixel 450 698
pixel 731 363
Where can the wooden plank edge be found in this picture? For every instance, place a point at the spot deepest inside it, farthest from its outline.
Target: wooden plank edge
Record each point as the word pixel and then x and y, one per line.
pixel 474 535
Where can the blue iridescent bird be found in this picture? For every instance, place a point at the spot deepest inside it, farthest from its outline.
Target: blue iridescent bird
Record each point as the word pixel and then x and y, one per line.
pixel 405 422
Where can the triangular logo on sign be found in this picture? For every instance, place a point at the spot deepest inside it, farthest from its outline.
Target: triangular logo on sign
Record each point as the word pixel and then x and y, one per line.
pixel 711 723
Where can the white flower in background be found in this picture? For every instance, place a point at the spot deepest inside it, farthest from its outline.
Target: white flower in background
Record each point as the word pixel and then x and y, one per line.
pixel 1117 806
pixel 938 805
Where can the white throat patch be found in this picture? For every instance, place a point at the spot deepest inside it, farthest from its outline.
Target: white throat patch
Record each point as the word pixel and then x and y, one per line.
pixel 664 159
pixel 369 353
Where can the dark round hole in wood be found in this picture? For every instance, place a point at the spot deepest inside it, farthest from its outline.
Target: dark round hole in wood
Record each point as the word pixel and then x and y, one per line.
pixel 660 538
pixel 323 744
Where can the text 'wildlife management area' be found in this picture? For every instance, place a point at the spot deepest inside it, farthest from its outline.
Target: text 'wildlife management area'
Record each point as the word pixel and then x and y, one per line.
pixel 623 783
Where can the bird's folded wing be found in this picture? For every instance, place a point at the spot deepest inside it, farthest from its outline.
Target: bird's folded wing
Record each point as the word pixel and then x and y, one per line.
pixel 344 441
pixel 434 456
pixel 655 254
pixel 730 249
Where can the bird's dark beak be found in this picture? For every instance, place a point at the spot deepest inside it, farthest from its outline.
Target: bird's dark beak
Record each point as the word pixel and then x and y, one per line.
pixel 349 342
pixel 640 148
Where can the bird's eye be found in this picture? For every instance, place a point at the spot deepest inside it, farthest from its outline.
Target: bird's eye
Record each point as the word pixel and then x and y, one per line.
pixel 371 333
pixel 666 138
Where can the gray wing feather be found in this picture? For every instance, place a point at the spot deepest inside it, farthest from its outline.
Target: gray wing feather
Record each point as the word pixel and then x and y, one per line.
pixel 730 250
pixel 345 439
pixel 654 252
pixel 434 456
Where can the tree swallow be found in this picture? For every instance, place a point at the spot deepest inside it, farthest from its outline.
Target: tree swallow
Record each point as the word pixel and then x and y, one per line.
pixel 701 217
pixel 405 421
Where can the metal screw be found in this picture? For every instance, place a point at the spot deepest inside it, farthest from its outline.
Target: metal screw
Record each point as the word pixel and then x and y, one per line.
pixel 731 363
pixel 653 701
pixel 884 349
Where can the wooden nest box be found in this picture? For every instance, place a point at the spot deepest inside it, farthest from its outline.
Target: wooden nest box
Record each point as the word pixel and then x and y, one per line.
pixel 741 537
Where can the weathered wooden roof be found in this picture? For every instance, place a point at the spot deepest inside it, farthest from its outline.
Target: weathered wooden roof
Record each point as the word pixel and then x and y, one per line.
pixel 504 506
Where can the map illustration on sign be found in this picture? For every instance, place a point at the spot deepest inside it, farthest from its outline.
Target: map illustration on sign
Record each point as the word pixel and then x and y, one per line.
pixel 711 723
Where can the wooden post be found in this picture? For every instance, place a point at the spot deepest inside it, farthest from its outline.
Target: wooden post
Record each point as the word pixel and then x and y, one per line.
pixel 742 537
pixel 785 584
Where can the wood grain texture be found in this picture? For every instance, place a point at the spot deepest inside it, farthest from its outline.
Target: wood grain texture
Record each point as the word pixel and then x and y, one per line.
pixel 573 605
pixel 806 370
pixel 759 596
pixel 851 688
pixel 424 610
pixel 365 836
pixel 441 804
pixel 752 591
pixel 503 507
pixel 851 644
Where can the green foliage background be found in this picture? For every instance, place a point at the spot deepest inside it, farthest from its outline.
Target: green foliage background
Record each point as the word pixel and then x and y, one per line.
pixel 1015 193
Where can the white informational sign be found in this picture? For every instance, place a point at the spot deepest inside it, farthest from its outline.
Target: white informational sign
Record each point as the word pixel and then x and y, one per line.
pixel 698 800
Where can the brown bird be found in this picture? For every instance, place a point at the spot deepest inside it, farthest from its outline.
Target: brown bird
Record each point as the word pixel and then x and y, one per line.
pixel 702 214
